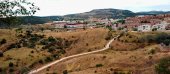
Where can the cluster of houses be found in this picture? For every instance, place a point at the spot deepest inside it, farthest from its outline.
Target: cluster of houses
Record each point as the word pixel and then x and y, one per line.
pixel 145 23
pixel 68 24
pixel 138 23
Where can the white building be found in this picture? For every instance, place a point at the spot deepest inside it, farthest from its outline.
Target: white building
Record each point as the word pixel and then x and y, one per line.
pixel 71 26
pixel 144 28
pixel 59 24
pixel 161 26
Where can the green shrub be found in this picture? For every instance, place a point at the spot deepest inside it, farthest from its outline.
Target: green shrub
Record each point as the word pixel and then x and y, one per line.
pixel 51 48
pixel 11 64
pixel 3 41
pixel 135 29
pixel 109 36
pixel 11 70
pixel 99 65
pixel 163 67
pixel 0 70
pixel 1 54
pixel 154 29
pixel 48 59
pixel 41 61
pixel 65 72
pixel 152 51
pixel 24 70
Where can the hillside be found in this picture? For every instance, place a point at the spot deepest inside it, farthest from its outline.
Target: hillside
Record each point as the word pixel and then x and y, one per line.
pixel 141 58
pixel 103 13
pixel 28 20
pixel 39 20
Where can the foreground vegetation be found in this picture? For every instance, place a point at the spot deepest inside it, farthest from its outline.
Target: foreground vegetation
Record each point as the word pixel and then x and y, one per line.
pixel 132 53
pixel 32 48
pixel 29 49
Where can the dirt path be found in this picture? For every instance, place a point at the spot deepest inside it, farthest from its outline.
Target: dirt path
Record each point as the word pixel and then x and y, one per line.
pixel 77 55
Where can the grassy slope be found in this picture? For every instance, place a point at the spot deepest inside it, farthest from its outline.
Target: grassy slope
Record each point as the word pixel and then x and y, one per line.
pixel 139 61
pixel 86 40
pixel 92 39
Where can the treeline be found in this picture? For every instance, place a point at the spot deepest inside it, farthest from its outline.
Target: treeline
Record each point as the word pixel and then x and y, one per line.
pixel 39 20
pixel 24 20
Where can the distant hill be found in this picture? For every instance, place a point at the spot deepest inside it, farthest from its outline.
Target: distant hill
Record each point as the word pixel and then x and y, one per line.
pixel 39 20
pixel 153 12
pixel 96 13
pixel 30 20
pixel 103 13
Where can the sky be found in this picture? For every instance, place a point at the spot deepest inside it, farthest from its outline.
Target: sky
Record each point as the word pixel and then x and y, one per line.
pixel 63 7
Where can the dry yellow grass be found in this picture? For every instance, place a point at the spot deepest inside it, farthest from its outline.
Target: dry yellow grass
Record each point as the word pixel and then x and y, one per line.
pixel 133 62
pixel 7 34
pixel 22 57
pixel 138 61
pixel 85 40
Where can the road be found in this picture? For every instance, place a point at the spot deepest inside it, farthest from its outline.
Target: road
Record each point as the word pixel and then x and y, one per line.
pixel 77 55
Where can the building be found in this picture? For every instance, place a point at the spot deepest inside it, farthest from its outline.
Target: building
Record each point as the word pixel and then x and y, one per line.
pixel 73 26
pixel 59 24
pixel 160 26
pixel 144 28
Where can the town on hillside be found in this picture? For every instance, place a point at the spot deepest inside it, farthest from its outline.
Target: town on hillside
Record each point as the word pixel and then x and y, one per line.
pixel 143 23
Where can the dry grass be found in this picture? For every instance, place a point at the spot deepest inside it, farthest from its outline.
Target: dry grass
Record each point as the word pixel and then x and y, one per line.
pixel 138 61
pixel 7 34
pixel 85 40
pixel 133 62
pixel 21 57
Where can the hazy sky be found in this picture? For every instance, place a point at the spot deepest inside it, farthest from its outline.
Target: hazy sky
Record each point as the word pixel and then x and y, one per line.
pixel 62 7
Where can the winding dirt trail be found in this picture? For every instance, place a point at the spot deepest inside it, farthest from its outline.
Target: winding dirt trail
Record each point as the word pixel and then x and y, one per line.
pixel 77 55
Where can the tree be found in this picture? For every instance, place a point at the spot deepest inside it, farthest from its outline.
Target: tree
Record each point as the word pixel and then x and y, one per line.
pixel 9 9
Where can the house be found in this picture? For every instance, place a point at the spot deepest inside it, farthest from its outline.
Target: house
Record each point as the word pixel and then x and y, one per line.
pixel 73 26
pixel 91 24
pixel 160 26
pixel 59 24
pixel 144 28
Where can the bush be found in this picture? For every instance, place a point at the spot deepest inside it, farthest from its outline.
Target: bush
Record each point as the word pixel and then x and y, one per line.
pixel 99 65
pixel 154 29
pixel 65 72
pixel 0 70
pixel 52 48
pixel 51 39
pixel 1 54
pixel 24 70
pixel 3 41
pixel 166 42
pixel 40 61
pixel 152 51
pixel 48 59
pixel 11 64
pixel 62 51
pixel 11 70
pixel 56 56
pixel 31 45
pixel 163 67
pixel 135 29
pixel 109 36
